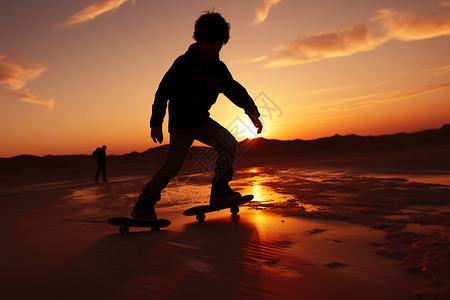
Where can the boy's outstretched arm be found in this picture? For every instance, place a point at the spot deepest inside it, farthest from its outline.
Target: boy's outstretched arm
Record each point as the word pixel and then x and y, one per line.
pixel 257 122
pixel 239 96
pixel 234 91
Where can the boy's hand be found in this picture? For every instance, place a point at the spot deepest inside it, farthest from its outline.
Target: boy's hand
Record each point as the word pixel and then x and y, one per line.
pixel 157 134
pixel 257 123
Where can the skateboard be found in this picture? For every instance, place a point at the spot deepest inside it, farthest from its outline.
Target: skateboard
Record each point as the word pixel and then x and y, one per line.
pixel 199 211
pixel 126 223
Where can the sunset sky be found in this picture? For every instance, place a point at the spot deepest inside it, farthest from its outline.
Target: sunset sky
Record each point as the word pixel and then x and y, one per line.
pixel 75 75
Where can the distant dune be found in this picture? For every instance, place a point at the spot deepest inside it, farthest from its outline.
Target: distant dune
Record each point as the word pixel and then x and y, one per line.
pixel 352 144
pixel 429 142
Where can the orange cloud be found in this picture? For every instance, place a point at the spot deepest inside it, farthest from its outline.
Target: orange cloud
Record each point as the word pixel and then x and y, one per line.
pixel 92 11
pixel 408 27
pixel 366 36
pixel 263 10
pixel 29 97
pixel 16 74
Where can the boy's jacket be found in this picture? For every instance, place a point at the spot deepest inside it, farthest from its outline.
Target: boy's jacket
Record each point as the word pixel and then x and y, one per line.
pixel 192 87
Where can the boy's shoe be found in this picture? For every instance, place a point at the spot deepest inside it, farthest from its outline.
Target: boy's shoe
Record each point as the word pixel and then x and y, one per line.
pixel 222 193
pixel 144 209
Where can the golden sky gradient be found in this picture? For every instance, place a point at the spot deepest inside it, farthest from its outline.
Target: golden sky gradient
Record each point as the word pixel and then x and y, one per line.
pixel 75 75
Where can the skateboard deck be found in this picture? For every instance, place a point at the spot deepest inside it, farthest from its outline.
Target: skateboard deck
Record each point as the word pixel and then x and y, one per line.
pixel 201 210
pixel 126 223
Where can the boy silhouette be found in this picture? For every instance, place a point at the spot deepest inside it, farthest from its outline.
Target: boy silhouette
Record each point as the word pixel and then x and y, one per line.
pixel 192 85
pixel 100 155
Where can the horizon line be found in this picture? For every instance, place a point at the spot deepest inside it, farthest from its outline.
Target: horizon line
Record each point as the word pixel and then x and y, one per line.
pixel 246 139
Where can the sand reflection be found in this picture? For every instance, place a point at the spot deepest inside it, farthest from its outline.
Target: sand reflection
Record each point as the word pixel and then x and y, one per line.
pixel 262 183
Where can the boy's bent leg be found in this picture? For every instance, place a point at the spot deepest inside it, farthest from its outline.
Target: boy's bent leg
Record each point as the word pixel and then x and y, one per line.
pixel 215 135
pixel 180 143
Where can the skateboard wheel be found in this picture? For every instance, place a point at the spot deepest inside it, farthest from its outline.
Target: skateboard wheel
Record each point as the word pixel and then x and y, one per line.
pixel 201 217
pixel 234 210
pixel 124 229
pixel 155 228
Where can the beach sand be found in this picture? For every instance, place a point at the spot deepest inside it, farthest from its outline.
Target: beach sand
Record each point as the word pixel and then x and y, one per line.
pixel 308 234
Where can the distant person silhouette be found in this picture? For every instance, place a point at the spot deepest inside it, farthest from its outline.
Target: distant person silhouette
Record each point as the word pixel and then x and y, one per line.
pixel 191 86
pixel 100 155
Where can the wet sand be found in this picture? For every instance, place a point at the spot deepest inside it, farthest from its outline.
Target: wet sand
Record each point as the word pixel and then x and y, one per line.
pixel 319 234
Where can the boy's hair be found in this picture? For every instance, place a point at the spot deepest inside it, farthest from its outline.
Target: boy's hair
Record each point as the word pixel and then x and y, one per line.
pixel 211 26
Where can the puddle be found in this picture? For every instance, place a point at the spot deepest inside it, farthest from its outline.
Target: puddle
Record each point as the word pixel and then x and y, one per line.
pixel 423 229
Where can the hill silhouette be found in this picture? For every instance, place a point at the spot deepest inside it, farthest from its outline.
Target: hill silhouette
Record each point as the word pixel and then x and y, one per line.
pixel 349 146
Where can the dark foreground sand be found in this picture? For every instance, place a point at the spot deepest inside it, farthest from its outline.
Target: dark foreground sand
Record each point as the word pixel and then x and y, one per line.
pixel 309 234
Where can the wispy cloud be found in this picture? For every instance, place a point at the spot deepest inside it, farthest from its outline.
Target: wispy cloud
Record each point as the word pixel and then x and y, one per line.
pixel 329 90
pixel 439 70
pixel 407 94
pixel 16 74
pixel 364 101
pixel 255 59
pixel 92 11
pixel 369 34
pixel 263 10
pixel 31 98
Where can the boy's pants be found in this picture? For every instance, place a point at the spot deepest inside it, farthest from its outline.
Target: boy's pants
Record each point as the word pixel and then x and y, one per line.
pixel 211 134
